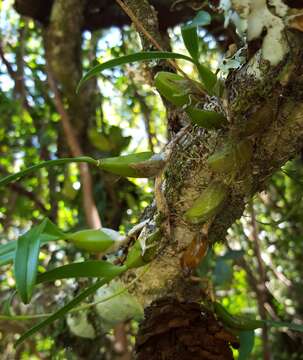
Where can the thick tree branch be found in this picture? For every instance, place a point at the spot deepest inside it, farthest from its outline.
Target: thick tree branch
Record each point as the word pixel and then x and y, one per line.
pixel 270 104
pixel 261 282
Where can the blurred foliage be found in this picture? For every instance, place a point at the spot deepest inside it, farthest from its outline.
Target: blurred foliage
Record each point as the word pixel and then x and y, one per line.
pixel 129 117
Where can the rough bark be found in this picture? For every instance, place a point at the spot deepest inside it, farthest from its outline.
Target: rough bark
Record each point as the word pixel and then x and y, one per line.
pixel 277 107
pixel 174 330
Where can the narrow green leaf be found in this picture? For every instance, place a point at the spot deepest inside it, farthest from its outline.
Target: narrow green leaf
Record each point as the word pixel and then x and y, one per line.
pixel 26 261
pixel 8 247
pixel 7 309
pixel 208 78
pixel 50 233
pixel 127 59
pixel 93 268
pixel 189 33
pixel 191 41
pixel 279 324
pixel 247 341
pixel 65 309
pixel 10 178
pixel 7 258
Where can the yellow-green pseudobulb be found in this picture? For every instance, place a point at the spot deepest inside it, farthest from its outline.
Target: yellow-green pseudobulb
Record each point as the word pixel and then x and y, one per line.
pixel 176 89
pixel 126 165
pixel 134 257
pixel 205 118
pixel 207 204
pixel 95 241
pixel 231 158
pixel 143 250
pixel 172 87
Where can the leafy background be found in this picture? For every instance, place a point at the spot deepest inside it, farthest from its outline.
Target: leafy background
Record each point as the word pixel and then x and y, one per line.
pixel 260 272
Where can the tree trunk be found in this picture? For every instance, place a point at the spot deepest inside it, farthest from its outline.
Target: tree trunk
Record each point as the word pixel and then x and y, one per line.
pixel 174 330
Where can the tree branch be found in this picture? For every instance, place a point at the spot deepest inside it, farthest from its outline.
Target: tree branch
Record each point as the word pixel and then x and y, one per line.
pixel 261 282
pixel 90 209
pixel 274 110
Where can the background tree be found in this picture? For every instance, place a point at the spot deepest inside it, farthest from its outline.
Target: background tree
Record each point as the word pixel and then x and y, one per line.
pixel 44 50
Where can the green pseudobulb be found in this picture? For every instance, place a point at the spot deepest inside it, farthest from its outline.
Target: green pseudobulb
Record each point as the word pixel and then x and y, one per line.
pixel 176 89
pixel 95 241
pixel 231 158
pixel 126 165
pixel 205 118
pixel 207 204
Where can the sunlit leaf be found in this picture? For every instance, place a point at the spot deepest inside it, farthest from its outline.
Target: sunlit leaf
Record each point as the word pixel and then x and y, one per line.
pixel 32 169
pixel 132 58
pixel 50 233
pixel 208 78
pixel 96 240
pixel 189 33
pixel 26 261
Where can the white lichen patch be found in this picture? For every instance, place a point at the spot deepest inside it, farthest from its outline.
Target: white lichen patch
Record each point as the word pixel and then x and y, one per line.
pixel 280 8
pixel 260 18
pixel 254 66
pixel 242 7
pixel 274 46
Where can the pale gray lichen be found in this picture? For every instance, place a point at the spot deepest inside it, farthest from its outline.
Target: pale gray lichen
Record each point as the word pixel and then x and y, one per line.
pixel 280 8
pixel 116 304
pixel 80 326
pixel 254 66
pixel 231 14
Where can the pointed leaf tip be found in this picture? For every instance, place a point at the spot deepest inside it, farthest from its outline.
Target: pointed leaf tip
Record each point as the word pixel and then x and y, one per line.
pixel 131 58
